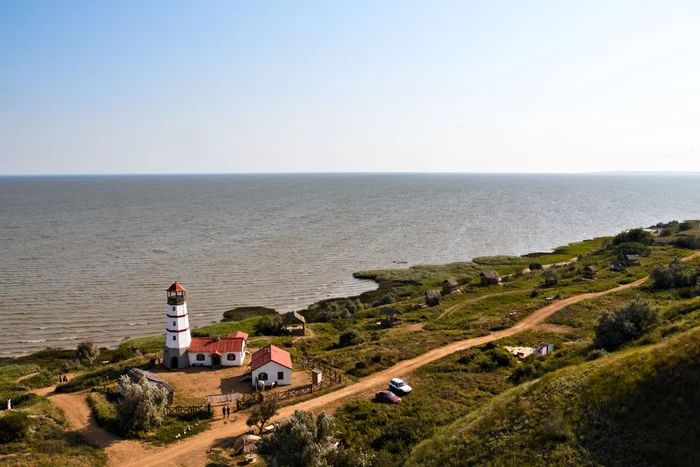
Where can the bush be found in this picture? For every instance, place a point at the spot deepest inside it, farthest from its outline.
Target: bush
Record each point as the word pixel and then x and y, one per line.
pixel 675 275
pixel 624 324
pixel 385 300
pixel 638 235
pixel 400 436
pixel 596 354
pixel 350 337
pixel 271 326
pixel 534 266
pixel 689 242
pixel 87 352
pixel 14 427
pixel 142 407
pixel 631 248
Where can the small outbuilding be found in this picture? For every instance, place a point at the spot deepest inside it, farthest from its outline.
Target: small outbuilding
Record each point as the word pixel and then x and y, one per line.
pixel 633 260
pixel 550 278
pixel 137 375
pixel 295 323
pixel 390 317
pixel 617 266
pixel 271 364
pixel 489 278
pixel 449 286
pixel 543 349
pixel 432 297
pixel 589 272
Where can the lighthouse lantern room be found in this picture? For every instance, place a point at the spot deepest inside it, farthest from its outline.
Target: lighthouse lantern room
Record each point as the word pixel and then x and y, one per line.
pixel 177 336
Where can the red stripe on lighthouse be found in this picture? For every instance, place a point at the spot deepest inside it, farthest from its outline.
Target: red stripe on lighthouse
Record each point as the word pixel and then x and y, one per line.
pixel 181 330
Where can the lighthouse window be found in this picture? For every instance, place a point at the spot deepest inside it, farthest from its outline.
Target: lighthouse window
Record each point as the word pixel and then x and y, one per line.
pixel 173 308
pixel 173 337
pixel 174 323
pixel 231 356
pixel 200 357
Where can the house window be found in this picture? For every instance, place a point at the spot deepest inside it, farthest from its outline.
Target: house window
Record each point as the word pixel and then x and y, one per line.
pixel 200 357
pixel 262 377
pixel 280 375
pixel 231 356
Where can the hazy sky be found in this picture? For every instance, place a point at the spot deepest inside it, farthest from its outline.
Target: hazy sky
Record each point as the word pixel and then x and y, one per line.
pixel 324 86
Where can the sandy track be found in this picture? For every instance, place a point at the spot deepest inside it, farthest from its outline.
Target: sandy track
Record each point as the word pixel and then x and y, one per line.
pixel 192 451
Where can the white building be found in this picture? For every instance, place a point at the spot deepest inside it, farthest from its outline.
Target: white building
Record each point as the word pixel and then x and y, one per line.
pixel 182 350
pixel 271 364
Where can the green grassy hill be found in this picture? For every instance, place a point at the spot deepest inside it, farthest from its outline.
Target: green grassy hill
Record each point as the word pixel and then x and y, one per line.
pixel 635 407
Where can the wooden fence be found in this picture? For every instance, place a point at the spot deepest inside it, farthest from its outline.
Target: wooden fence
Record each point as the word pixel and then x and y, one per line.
pixel 330 378
pixel 189 410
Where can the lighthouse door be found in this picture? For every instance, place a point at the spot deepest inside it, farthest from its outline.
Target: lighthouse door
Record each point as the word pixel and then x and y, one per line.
pixel 174 362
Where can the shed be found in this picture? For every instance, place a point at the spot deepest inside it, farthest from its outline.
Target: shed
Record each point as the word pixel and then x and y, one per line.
pixel 390 317
pixel 617 266
pixel 271 364
pixel 543 349
pixel 432 297
pixel 296 323
pixel 550 278
pixel 489 278
pixel 137 375
pixel 633 260
pixel 589 272
pixel 449 286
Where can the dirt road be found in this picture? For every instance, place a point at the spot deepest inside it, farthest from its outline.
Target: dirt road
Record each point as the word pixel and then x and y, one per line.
pixel 192 451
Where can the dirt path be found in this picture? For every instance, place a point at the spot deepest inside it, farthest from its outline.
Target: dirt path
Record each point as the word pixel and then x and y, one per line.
pixel 192 451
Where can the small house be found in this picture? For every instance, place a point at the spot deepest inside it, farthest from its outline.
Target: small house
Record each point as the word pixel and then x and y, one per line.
pixel 218 351
pixel 449 286
pixel 271 365
pixel 432 297
pixel 550 278
pixel 617 266
pixel 489 278
pixel 390 317
pixel 543 349
pixel 589 272
pixel 633 260
pixel 295 323
pixel 136 375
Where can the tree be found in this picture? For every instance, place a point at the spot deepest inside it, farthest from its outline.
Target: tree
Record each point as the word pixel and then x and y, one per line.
pixel 87 352
pixel 262 414
pixel 143 405
pixel 271 326
pixel 626 323
pixel 350 337
pixel 638 235
pixel 302 441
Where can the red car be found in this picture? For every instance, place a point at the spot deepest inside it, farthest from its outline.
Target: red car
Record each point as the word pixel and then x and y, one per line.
pixel 387 396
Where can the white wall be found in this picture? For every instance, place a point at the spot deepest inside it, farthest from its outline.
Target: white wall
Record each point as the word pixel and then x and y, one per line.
pixel 194 362
pixel 181 340
pixel 271 368
pixel 192 356
pixel 240 356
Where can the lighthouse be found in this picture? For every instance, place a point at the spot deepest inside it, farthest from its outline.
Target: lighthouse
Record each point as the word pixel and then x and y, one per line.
pixel 177 335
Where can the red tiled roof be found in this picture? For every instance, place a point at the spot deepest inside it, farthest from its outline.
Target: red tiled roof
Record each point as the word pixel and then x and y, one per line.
pixel 176 287
pixel 213 346
pixel 238 335
pixel 270 354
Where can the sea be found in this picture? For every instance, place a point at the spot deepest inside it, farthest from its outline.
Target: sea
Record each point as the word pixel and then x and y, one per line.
pixel 89 257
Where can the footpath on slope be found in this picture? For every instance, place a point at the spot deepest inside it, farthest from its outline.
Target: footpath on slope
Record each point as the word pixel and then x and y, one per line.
pixel 192 451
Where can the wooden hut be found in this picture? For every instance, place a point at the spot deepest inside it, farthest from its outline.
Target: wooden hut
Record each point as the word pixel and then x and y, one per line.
pixel 589 272
pixel 633 260
pixel 550 278
pixel 449 286
pixel 489 278
pixel 390 317
pixel 295 323
pixel 432 297
pixel 617 266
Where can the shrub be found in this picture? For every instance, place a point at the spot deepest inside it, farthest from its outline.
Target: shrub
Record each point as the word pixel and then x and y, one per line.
pixel 385 300
pixel 271 326
pixel 690 242
pixel 631 248
pixel 596 354
pixel 142 407
pixel 350 337
pixel 675 275
pixel 638 235
pixel 626 323
pixel 534 266
pixel 262 414
pixel 14 427
pixel 399 436
pixel 87 352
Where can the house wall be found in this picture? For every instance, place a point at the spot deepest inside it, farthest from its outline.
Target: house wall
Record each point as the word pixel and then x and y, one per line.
pixel 194 362
pixel 271 368
pixel 240 356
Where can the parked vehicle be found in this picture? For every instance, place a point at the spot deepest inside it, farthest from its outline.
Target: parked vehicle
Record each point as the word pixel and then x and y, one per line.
pixel 399 386
pixel 387 396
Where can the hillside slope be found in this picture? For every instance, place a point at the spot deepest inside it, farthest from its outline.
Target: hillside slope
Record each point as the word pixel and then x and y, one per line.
pixel 637 407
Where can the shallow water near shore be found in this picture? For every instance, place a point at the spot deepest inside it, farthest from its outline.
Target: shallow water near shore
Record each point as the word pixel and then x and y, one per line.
pixel 89 258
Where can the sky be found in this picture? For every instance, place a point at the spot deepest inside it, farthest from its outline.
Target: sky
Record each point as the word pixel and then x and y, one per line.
pixel 113 87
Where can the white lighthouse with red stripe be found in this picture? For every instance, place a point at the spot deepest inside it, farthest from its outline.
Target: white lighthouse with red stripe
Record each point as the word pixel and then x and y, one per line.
pixel 177 335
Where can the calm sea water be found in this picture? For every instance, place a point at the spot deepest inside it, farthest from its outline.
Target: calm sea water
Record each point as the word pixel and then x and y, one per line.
pixel 90 257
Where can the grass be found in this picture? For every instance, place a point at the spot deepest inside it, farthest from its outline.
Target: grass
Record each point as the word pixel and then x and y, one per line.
pixel 635 408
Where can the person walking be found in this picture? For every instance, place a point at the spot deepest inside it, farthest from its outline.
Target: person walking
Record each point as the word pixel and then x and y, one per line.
pixel 223 412
pixel 228 412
